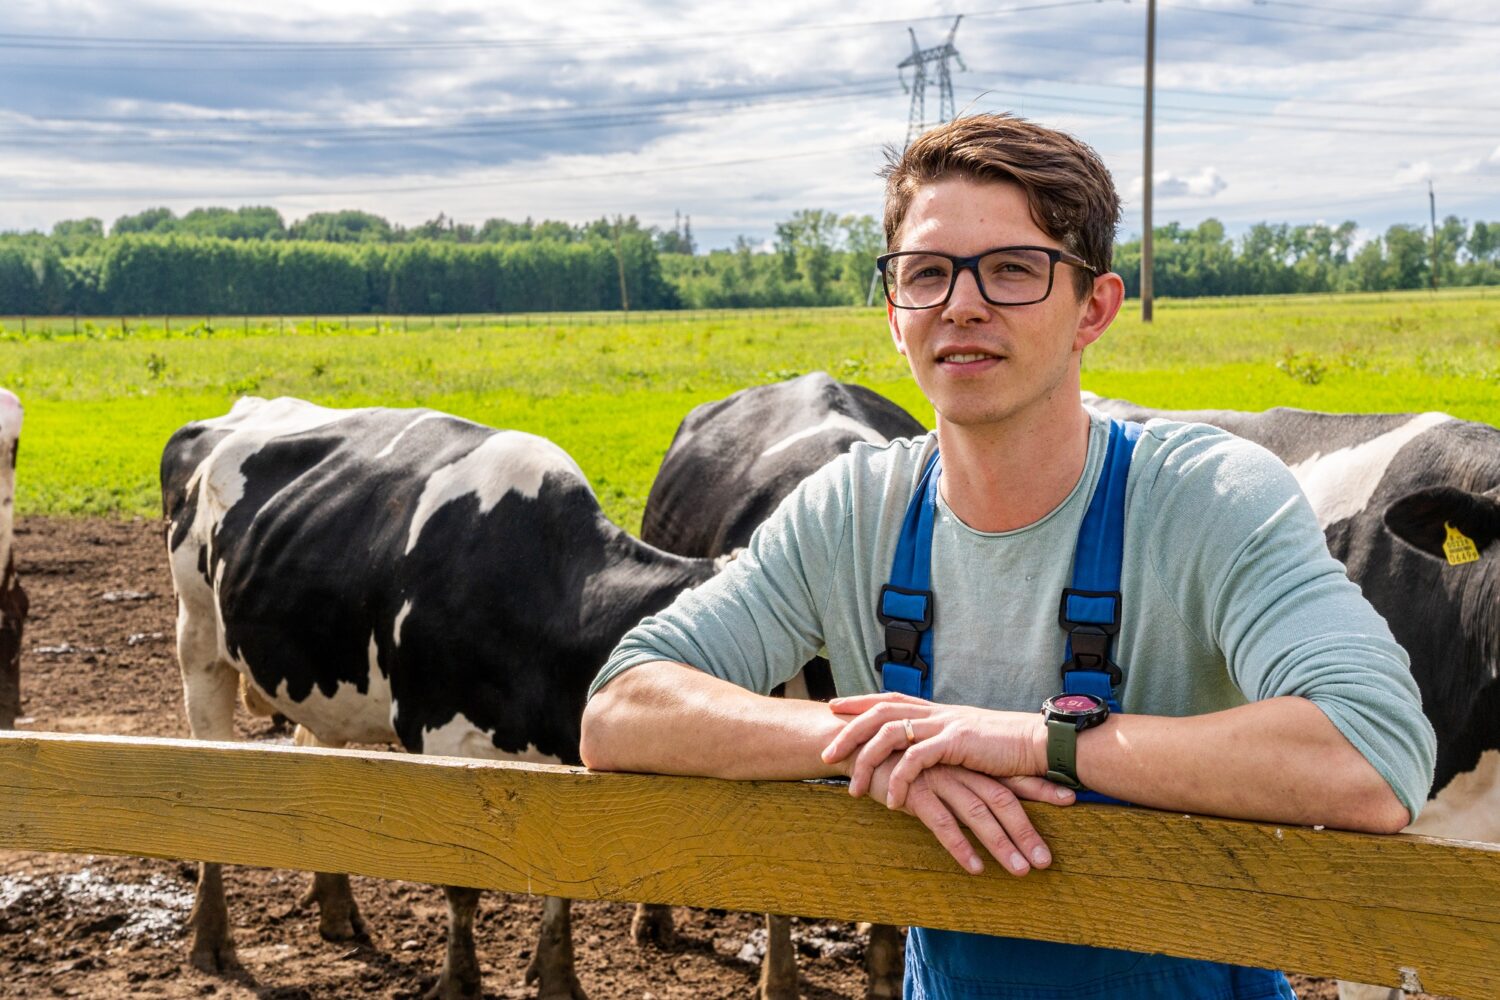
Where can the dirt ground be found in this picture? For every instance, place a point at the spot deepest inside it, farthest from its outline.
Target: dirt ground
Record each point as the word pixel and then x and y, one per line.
pixel 98 658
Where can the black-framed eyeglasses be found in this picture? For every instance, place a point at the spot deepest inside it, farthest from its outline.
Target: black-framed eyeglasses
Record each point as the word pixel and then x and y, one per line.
pixel 1007 276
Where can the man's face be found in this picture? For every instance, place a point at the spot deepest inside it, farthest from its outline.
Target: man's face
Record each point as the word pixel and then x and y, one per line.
pixel 979 363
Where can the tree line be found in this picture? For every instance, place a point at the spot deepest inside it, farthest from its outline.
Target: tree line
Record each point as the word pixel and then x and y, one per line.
pixel 248 260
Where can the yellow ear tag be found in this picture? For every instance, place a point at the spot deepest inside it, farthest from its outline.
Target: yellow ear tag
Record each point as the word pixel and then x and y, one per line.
pixel 1459 547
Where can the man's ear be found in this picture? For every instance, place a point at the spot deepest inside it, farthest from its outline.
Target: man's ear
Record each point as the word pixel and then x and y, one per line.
pixel 896 335
pixel 1099 309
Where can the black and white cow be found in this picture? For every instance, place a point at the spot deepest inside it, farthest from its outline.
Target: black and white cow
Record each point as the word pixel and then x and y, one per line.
pixel 398 576
pixel 730 464
pixel 12 597
pixel 1390 490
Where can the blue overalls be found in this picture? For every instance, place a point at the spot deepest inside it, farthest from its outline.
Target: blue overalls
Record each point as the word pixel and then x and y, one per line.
pixel 948 964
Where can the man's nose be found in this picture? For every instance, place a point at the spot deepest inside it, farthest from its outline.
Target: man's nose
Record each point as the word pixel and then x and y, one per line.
pixel 966 300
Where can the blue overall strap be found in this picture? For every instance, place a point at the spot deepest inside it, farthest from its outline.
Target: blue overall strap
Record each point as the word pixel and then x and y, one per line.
pixel 1090 608
pixel 905 605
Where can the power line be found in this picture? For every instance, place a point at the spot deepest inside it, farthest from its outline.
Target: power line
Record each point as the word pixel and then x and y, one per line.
pixel 494 129
pixel 1376 13
pixel 1085 106
pixel 508 181
pixel 1376 29
pixel 725 96
pixel 52 41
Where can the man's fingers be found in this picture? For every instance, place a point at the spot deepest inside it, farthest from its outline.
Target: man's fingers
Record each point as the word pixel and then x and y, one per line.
pixel 1001 803
pixel 888 739
pixel 980 817
pixel 938 818
pixel 917 758
pixel 857 703
pixel 1039 789
pixel 861 728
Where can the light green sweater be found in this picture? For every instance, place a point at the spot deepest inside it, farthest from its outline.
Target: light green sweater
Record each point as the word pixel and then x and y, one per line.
pixel 1230 596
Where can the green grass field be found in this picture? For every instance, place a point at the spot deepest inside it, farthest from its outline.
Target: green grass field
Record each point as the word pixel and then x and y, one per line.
pixel 100 403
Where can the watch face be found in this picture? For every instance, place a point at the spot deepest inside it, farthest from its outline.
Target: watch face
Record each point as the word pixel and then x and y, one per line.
pixel 1079 704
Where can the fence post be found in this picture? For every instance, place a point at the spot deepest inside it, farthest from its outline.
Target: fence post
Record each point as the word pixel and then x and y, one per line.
pixel 23 326
pixel 124 330
pixel 166 325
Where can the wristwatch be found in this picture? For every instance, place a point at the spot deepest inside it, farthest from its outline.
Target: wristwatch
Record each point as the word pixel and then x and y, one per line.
pixel 1067 715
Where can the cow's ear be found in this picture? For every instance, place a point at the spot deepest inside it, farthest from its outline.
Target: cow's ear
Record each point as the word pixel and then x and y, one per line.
pixel 1422 518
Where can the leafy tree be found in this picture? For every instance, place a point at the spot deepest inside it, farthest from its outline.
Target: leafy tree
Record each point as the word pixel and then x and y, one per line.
pixel 347 226
pixel 149 221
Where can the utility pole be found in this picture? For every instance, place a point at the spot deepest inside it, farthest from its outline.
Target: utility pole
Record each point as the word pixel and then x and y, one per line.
pixel 620 263
pixel 937 55
pixel 1432 208
pixel 1148 182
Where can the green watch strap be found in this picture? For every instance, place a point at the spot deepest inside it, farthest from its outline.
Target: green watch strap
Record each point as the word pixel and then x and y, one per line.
pixel 1062 753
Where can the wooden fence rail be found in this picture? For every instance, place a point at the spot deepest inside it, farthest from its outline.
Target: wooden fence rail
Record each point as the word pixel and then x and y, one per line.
pixel 1398 910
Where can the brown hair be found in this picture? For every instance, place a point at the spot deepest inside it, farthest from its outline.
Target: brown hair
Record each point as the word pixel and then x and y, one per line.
pixel 1071 193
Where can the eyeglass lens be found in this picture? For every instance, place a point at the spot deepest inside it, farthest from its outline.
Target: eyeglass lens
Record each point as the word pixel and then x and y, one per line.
pixel 1006 277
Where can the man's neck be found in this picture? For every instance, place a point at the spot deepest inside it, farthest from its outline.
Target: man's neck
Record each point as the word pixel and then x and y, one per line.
pixel 1004 476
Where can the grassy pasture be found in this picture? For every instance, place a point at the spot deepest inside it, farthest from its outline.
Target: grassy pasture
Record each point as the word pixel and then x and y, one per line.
pixel 100 403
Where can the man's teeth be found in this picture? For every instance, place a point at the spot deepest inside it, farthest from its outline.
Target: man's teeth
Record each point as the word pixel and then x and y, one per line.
pixel 963 359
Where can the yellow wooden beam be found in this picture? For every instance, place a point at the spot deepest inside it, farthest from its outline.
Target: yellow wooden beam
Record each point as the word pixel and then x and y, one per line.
pixel 1393 910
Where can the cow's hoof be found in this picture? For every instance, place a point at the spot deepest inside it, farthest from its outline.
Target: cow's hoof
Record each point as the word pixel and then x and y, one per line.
pixel 338 914
pixel 558 984
pixel 213 959
pixel 777 991
pixel 453 988
pixel 652 925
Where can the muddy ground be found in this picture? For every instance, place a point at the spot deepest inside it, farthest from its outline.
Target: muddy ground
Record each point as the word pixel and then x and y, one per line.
pixel 98 658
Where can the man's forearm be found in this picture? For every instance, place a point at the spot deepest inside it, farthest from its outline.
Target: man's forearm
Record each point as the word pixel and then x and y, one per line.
pixel 667 718
pixel 1281 759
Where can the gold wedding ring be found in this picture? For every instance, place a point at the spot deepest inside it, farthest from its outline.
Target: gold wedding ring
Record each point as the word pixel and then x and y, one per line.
pixel 911 737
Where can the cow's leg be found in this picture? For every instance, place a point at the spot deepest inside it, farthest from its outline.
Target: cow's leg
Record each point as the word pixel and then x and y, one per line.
pixel 459 979
pixel 208 688
pixel 883 962
pixel 778 972
pixel 338 914
pixel 652 924
pixel 551 965
pixel 12 620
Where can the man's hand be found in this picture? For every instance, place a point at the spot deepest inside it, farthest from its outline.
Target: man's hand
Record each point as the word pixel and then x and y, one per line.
pixel 1008 746
pixel 948 799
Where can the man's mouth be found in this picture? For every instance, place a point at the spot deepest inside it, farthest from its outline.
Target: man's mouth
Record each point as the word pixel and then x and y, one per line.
pixel 966 357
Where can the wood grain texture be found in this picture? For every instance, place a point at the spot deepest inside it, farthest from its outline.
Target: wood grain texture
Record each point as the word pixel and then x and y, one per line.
pixel 1356 906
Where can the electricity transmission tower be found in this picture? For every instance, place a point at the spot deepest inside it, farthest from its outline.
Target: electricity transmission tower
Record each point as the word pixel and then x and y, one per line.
pixel 920 58
pixel 916 122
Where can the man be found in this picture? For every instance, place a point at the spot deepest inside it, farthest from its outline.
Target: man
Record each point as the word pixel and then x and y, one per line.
pixel 1253 680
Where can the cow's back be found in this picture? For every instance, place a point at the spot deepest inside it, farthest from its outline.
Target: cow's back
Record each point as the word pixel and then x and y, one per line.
pixel 732 461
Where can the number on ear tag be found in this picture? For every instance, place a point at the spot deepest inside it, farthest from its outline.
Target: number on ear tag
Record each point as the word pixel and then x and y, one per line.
pixel 1459 547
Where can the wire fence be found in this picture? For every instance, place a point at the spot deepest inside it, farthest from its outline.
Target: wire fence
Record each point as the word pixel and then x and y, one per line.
pixel 121 327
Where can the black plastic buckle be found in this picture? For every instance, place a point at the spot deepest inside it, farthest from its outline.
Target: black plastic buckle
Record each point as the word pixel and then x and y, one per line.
pixel 903 636
pixel 1091 652
pixel 1091 640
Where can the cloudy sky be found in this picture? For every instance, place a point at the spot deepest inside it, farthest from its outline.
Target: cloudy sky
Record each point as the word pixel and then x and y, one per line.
pixel 734 114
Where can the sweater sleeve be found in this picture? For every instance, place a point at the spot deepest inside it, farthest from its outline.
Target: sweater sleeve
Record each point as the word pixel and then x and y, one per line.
pixel 1256 579
pixel 759 621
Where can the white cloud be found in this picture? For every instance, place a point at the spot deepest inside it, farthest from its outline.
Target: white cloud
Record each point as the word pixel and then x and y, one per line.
pixel 1413 173
pixel 1206 183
